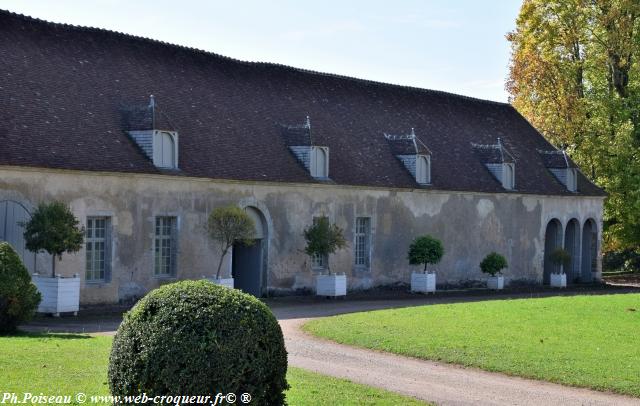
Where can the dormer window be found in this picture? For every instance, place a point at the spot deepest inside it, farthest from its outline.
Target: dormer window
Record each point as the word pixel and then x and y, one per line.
pixel 152 131
pixel 319 165
pixel 165 149
pixel 499 162
pixel 559 164
pixel 314 158
pixel 423 169
pixel 508 176
pixel 414 155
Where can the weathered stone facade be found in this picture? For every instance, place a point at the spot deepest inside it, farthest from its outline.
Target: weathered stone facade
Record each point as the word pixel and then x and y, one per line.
pixel 470 224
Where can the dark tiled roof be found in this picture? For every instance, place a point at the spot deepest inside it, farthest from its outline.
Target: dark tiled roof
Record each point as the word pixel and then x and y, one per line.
pixel 63 88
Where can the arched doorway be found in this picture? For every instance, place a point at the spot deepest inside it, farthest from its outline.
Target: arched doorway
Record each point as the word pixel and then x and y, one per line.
pixel 572 245
pixel 12 217
pixel 589 251
pixel 248 262
pixel 552 241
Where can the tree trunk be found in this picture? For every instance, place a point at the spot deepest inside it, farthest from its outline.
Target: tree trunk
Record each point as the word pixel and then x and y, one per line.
pixel 53 265
pixel 224 253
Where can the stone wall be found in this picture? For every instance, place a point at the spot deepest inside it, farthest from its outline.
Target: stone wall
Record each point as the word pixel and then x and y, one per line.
pixel 470 225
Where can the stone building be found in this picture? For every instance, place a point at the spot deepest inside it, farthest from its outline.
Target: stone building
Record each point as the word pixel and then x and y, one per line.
pixel 385 162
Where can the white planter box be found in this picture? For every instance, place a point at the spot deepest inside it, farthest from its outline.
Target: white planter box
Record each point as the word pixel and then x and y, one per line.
pixel 495 282
pixel 558 280
pixel 59 295
pixel 423 282
pixel 226 282
pixel 331 285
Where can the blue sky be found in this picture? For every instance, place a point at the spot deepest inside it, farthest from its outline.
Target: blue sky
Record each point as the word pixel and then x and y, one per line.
pixel 455 46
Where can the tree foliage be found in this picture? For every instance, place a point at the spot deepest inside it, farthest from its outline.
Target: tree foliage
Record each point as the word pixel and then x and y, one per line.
pixel 425 250
pixel 53 228
pixel 229 224
pixel 323 238
pixel 560 257
pixel 493 264
pixel 19 297
pixel 575 76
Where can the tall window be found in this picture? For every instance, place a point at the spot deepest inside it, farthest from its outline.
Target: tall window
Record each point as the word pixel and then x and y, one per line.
pixel 319 164
pixel 362 243
pixel 165 247
pixel 165 151
pixel 98 249
pixel 508 176
pixel 572 179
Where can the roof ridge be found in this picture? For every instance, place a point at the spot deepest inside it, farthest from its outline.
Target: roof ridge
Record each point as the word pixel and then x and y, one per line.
pixel 254 63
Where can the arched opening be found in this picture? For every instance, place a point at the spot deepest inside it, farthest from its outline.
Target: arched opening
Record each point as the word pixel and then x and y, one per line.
pixel 168 149
pixel 589 251
pixel 248 264
pixel 552 241
pixel 13 215
pixel 572 245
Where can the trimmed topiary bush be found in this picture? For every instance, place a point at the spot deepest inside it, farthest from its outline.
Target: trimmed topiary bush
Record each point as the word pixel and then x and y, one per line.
pixel 19 297
pixel 493 263
pixel 198 338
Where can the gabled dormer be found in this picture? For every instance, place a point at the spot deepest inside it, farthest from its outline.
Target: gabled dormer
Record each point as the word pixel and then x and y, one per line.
pixel 497 159
pixel 414 155
pixel 559 164
pixel 151 130
pixel 314 158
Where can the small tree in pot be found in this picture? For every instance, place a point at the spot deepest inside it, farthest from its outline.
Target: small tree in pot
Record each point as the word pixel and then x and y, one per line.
pixel 53 228
pixel 422 251
pixel 493 264
pixel 323 239
pixel 228 225
pixel 561 259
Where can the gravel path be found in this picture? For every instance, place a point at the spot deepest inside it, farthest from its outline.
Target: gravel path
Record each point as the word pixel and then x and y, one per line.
pixel 441 383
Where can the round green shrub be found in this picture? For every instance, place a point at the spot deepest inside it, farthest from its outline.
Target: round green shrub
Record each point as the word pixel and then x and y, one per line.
pixel 425 250
pixel 493 264
pixel 198 338
pixel 19 297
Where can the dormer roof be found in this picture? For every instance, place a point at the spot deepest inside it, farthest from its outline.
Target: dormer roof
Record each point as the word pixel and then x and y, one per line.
pixel 407 144
pixel 493 153
pixel 556 159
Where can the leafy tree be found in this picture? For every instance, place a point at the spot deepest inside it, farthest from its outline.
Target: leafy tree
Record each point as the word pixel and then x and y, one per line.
pixel 53 228
pixel 425 250
pixel 575 77
pixel 229 224
pixel 561 258
pixel 323 238
pixel 493 264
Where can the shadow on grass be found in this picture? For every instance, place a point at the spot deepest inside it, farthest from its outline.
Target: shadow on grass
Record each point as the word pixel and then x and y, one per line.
pixel 45 335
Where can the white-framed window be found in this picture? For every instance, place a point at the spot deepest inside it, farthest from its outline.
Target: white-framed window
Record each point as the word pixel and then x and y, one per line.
pixel 508 176
pixel 98 249
pixel 165 246
pixel 423 169
pixel 363 242
pixel 165 149
pixel 572 179
pixel 319 162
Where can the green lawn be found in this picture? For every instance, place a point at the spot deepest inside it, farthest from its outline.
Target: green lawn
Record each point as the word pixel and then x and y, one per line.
pixel 65 364
pixel 590 341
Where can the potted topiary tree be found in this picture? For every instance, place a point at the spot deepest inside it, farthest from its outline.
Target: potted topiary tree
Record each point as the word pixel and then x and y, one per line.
pixel 228 225
pixel 53 228
pixel 561 259
pixel 492 264
pixel 424 250
pixel 323 239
